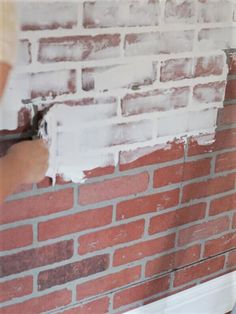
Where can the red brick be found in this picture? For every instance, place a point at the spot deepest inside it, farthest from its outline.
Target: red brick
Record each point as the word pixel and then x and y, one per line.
pixel 41 304
pixel 108 283
pixel 140 250
pixel 168 175
pixel 46 255
pixel 220 245
pixel 209 187
pixel 172 151
pixel 35 206
pixel 113 188
pixel 231 259
pixel 173 260
pixel 203 230
pixel 210 92
pixel 78 48
pixel 141 291
pixel 227 115
pixel 223 140
pixel 16 288
pixel 223 204
pixel 199 270
pixel 232 63
pixel 99 172
pixel 180 12
pixel 69 272
pixel 147 204
pixel 234 221
pixel 74 223
pixel 110 237
pixel 23 188
pixel 225 162
pixel 230 92
pixel 98 306
pixel 182 172
pixel 16 237
pixel 176 69
pixel 177 218
pixel 210 65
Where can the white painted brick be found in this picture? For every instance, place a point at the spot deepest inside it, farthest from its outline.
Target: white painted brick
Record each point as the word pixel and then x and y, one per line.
pixel 214 11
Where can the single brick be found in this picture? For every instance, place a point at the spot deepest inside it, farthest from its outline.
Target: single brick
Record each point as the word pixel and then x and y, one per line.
pixel 66 273
pixel 16 288
pixel 220 245
pixel 231 259
pixel 225 162
pixel 227 115
pixel 108 283
pixel 168 175
pixel 208 93
pixel 209 187
pixel 136 76
pixel 180 11
pixel 74 223
pixel 97 306
pixel 230 92
pixel 147 204
pixel 141 291
pixel 173 260
pixel 223 140
pixel 176 69
pixel 215 11
pixel 130 13
pixel 41 304
pixel 151 155
pixel 223 204
pixel 209 65
pixel 158 43
pixel 215 38
pixel 203 230
pixel 35 206
pixel 57 83
pixel 110 237
pixel 55 15
pixel 113 188
pixel 157 100
pixel 232 60
pixel 46 255
pixel 16 237
pixel 78 48
pixel 177 218
pixel 24 52
pixel 199 270
pixel 147 248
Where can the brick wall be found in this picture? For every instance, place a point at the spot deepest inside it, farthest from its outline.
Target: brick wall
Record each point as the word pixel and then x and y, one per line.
pixel 164 218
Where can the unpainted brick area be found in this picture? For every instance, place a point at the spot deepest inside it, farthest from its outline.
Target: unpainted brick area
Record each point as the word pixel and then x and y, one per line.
pixel 163 219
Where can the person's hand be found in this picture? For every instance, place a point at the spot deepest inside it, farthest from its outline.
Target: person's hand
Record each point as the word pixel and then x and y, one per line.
pixel 30 160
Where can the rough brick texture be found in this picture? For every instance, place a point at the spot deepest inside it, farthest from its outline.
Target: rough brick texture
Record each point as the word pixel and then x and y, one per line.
pixel 164 218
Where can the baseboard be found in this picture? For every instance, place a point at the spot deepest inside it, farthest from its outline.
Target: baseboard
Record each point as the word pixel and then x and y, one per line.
pixel 216 296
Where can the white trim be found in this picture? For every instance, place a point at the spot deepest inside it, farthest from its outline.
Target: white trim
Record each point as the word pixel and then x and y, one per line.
pixel 216 296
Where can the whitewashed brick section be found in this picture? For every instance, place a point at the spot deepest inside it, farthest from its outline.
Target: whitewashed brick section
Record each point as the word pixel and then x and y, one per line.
pixel 182 123
pixel 215 11
pixel 159 43
pixel 216 38
pixel 40 15
pixel 127 76
pixel 157 100
pixel 97 137
pixel 24 52
pixel 183 11
pixel 209 93
pixel 128 13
